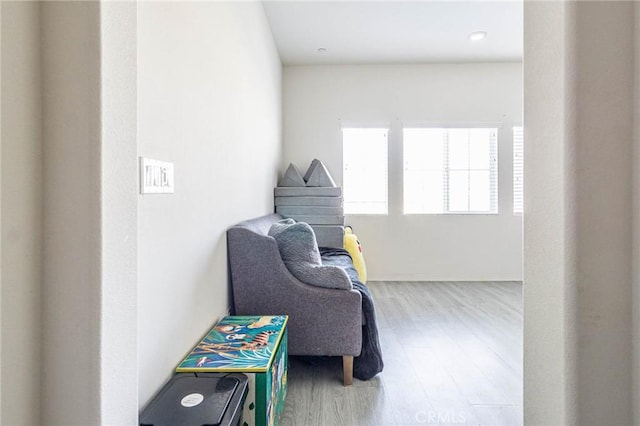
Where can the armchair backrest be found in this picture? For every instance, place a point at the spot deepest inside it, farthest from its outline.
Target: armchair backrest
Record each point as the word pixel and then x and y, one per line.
pixel 253 258
pixel 259 225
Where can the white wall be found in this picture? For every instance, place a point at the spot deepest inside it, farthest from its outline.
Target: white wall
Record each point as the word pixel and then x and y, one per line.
pixel 89 361
pixel 71 290
pixel 546 394
pixel 209 100
pixel 69 173
pixel 636 229
pixel 1 243
pixel 118 214
pixel 318 99
pixel 579 88
pixel 21 177
pixel 603 146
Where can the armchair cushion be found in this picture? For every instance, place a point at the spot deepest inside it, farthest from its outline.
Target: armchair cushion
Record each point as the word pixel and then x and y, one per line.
pixel 299 251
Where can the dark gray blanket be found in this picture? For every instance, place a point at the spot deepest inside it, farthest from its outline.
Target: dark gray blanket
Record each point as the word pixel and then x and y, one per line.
pixel 369 363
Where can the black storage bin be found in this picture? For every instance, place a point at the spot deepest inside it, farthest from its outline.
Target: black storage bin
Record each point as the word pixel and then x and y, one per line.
pixel 197 399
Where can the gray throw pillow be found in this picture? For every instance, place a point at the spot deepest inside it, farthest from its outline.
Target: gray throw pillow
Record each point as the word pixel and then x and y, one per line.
pixel 299 251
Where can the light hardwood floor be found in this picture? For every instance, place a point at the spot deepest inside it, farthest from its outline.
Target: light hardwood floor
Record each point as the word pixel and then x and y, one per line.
pixel 452 353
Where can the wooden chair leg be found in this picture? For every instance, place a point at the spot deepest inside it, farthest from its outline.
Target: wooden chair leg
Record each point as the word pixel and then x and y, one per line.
pixel 347 369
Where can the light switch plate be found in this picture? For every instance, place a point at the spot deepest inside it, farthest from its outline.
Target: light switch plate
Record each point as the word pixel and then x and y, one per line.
pixel 156 177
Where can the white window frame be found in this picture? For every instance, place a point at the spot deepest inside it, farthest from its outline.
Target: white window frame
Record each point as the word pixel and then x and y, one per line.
pixel 446 169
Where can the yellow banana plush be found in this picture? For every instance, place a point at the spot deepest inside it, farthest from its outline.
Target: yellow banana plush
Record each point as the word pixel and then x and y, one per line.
pixel 352 245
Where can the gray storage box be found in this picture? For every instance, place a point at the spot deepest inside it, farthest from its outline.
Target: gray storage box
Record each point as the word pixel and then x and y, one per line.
pixel 329 235
pixel 308 191
pixel 309 211
pixel 309 201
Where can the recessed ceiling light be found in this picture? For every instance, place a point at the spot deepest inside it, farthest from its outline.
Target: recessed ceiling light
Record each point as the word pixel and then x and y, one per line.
pixel 322 50
pixel 477 36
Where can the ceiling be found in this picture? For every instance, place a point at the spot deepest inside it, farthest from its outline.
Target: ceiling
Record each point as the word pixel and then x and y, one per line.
pixel 366 32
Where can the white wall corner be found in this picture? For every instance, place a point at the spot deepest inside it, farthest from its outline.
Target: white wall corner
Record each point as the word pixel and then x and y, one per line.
pixel 21 217
pixel 119 165
pixel 636 224
pixel 72 285
pixel 578 211
pixel 1 220
pixel 545 376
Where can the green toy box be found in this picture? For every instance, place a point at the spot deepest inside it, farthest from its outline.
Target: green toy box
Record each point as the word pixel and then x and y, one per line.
pixel 255 346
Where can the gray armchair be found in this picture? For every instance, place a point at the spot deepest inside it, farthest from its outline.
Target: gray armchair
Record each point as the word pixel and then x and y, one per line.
pixel 322 321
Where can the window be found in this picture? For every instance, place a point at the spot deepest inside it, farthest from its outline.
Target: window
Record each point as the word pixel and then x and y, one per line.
pixel 364 178
pixel 450 170
pixel 518 169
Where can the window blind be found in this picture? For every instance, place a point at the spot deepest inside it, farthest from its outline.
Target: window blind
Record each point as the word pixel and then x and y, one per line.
pixel 518 169
pixel 450 170
pixel 364 177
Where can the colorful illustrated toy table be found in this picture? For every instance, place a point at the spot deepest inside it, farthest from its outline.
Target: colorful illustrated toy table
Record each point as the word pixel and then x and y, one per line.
pixel 255 346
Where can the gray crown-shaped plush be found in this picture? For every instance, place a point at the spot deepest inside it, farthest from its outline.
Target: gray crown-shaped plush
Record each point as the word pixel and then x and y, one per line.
pixel 317 175
pixel 292 177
